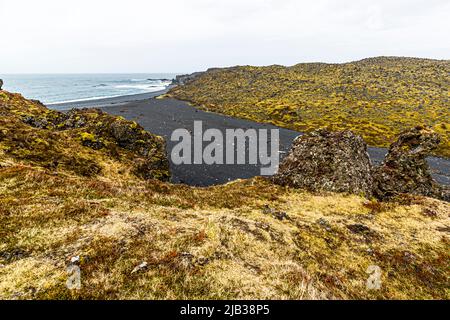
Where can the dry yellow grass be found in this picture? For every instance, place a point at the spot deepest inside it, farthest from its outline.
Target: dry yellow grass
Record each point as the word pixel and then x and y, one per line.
pixel 248 239
pixel 213 243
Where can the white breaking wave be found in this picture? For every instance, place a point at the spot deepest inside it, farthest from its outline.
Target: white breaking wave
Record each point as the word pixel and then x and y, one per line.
pixel 134 86
pixel 153 89
pixel 56 89
pixel 83 99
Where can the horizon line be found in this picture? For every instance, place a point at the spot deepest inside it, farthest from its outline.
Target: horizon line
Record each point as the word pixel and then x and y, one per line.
pixel 226 66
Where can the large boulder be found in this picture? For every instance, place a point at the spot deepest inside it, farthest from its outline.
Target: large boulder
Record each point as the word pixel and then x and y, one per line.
pixel 328 161
pixel 405 168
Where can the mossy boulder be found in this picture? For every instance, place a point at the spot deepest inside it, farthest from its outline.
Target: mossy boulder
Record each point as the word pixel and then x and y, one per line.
pixel 327 161
pixel 405 168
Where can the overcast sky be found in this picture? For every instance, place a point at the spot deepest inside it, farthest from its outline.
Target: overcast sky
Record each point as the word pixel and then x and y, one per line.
pixel 90 36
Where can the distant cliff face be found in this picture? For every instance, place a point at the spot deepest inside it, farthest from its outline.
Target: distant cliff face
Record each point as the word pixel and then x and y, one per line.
pixel 86 142
pixel 185 78
pixel 376 98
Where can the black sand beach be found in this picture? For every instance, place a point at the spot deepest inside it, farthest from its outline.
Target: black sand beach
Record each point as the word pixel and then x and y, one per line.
pixel 163 116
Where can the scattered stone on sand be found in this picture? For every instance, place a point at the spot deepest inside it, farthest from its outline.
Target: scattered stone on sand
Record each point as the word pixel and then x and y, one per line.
pixel 405 169
pixel 327 161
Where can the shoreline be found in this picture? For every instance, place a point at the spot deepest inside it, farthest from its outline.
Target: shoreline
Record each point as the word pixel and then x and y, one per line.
pixel 108 102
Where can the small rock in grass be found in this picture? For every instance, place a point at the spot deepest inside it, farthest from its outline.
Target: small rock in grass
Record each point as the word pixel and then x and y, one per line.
pixel 140 267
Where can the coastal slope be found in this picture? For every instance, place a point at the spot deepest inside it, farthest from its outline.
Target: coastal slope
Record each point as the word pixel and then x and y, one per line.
pixel 136 236
pixel 376 98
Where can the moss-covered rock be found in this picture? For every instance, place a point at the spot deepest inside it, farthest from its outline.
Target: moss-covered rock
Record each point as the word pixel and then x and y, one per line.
pixel 330 161
pixel 405 169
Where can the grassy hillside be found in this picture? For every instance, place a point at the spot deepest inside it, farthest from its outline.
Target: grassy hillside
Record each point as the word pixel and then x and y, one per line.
pixel 376 98
pixel 248 239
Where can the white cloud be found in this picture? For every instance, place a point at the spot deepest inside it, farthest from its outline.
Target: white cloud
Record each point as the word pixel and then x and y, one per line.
pixel 178 36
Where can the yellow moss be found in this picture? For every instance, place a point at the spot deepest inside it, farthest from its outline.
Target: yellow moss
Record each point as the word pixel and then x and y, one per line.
pixel 86 136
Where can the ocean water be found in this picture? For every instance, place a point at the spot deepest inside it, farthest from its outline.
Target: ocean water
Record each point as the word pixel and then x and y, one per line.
pixel 57 88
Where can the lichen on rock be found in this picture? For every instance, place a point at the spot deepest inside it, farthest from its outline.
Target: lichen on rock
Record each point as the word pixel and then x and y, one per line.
pixel 405 169
pixel 327 161
pixel 338 162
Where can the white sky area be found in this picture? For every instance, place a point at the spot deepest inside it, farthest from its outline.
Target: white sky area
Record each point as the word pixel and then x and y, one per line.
pixel 96 36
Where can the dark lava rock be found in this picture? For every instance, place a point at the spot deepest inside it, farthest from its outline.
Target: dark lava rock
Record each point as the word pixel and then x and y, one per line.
pixel 56 120
pixel 99 130
pixel 358 228
pixel 185 78
pixel 329 161
pixel 72 120
pixel 36 122
pixel 93 143
pixel 405 169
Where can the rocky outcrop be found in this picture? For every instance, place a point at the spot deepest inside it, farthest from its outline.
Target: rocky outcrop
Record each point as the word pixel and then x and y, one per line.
pixel 99 130
pixel 83 141
pixel 338 161
pixel 405 169
pixel 327 161
pixel 185 78
pixel 1 84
